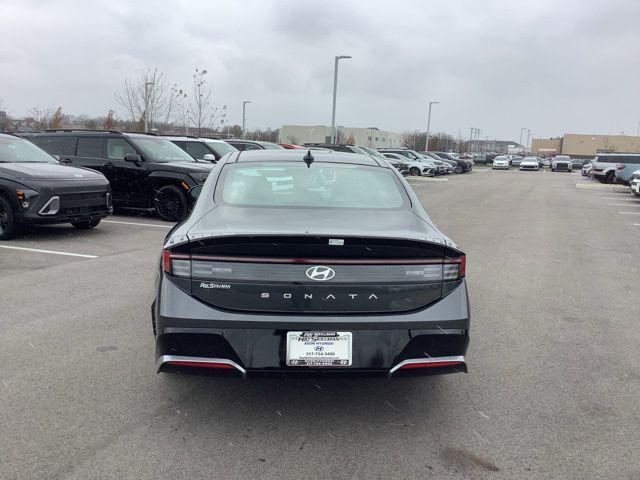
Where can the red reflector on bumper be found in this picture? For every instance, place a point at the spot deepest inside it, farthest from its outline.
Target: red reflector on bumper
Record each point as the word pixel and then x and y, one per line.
pixel 186 363
pixel 409 366
pixel 430 362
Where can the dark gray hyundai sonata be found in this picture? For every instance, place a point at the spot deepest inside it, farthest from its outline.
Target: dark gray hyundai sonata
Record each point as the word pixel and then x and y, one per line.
pixel 295 262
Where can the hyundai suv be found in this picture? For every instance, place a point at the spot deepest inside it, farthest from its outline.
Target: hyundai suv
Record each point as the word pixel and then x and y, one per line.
pixel 298 263
pixel 144 170
pixel 35 189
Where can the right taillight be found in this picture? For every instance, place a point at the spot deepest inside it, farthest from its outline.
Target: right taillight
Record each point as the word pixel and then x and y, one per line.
pixel 455 268
pixel 177 264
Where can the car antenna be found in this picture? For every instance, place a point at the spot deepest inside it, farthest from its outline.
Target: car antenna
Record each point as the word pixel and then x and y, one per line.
pixel 308 158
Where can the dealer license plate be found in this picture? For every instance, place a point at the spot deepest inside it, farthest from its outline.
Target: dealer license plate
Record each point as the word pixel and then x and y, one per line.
pixel 318 349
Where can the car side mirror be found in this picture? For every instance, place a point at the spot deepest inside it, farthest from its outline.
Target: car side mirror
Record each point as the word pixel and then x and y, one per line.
pixel 132 157
pixel 194 192
pixel 210 157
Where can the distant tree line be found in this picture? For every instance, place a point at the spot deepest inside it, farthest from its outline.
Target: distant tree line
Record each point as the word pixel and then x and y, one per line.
pixel 148 101
pixel 439 141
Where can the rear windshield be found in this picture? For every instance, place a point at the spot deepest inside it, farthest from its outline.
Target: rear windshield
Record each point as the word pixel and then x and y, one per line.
pixel 161 150
pixel 323 185
pixel 18 150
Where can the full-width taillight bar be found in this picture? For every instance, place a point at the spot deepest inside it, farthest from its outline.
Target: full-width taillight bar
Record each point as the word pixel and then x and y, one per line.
pixel 454 268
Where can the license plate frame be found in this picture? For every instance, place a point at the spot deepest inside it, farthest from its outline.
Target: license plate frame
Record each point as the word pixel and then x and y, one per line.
pixel 328 349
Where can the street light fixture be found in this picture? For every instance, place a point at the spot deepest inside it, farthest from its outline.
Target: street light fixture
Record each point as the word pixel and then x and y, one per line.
pixel 244 118
pixel 429 125
pixel 335 89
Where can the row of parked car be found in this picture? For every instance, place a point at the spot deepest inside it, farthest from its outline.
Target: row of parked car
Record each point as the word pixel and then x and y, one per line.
pixel 79 176
pixel 622 168
pixel 559 163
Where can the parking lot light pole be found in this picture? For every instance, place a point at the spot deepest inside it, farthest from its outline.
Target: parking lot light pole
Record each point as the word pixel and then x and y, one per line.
pixel 429 126
pixel 522 130
pixel 148 86
pixel 244 118
pixel 335 89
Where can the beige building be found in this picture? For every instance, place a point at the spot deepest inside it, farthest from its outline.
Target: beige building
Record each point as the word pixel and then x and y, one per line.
pixel 578 145
pixel 368 137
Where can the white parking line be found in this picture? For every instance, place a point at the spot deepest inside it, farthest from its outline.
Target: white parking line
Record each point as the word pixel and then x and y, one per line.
pixel 629 213
pixel 623 205
pixel 138 224
pixel 53 252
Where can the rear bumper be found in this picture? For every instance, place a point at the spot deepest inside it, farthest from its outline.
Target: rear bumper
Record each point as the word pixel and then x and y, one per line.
pixel 192 337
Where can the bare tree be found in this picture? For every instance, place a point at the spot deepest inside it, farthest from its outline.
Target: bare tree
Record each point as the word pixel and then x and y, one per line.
pixel 202 114
pixel 39 118
pixel 108 122
pixel 57 118
pixel 146 97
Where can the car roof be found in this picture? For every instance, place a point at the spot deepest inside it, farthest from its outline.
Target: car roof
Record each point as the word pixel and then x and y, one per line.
pixel 182 138
pixel 285 155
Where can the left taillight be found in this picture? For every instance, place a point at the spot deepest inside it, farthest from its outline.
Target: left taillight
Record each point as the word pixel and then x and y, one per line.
pixel 177 264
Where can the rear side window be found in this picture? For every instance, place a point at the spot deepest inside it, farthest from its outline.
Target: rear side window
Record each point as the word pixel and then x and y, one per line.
pixel 631 159
pixel 117 148
pixel 52 145
pixel 90 147
pixel 324 185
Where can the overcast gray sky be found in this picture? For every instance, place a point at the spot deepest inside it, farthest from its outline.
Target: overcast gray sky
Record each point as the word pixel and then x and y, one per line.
pixel 554 66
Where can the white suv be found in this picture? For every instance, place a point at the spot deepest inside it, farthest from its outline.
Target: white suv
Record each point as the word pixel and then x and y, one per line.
pixel 634 183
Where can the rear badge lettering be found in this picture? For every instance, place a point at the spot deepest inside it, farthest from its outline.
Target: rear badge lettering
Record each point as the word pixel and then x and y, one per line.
pixel 310 296
pixel 224 286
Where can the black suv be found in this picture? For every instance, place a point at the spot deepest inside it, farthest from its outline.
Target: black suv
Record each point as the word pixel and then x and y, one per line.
pixel 206 149
pixel 36 189
pixel 144 170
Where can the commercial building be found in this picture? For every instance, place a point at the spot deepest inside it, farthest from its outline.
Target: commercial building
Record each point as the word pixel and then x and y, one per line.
pixel 583 145
pixel 368 137
pixel 506 147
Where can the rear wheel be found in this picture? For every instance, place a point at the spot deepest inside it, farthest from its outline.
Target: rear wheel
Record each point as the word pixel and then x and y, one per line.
pixel 458 169
pixel 86 224
pixel 171 203
pixel 414 171
pixel 610 177
pixel 9 228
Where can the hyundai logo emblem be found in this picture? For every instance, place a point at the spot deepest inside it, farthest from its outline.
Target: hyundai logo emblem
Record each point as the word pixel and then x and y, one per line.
pixel 320 273
pixel 319 348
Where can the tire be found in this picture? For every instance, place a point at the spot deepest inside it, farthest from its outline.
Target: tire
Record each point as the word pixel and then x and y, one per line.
pixel 610 178
pixel 171 204
pixel 9 227
pixel 457 170
pixel 86 224
pixel 415 171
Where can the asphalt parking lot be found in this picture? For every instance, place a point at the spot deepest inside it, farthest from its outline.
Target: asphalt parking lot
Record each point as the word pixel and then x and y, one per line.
pixel 552 389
